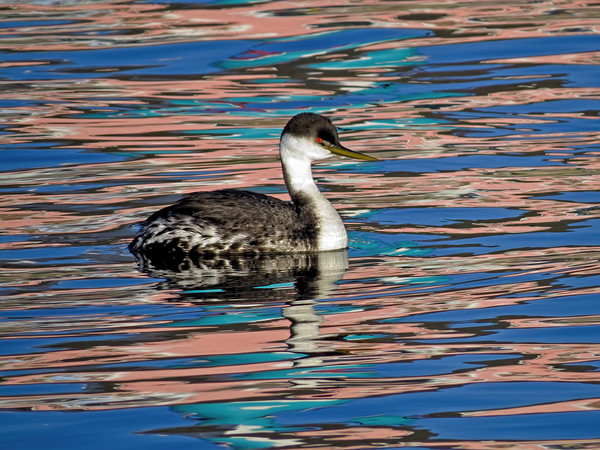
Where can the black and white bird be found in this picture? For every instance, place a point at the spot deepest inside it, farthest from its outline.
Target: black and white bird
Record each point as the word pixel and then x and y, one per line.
pixel 236 222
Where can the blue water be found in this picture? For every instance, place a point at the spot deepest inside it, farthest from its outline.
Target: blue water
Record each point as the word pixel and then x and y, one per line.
pixel 464 313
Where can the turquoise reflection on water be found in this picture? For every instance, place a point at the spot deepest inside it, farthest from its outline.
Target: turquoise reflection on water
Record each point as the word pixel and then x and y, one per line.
pixel 465 314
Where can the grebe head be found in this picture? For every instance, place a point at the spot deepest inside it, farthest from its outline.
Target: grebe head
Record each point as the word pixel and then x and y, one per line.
pixel 309 136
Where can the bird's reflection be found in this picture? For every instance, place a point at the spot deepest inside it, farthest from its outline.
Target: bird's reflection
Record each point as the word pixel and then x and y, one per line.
pixel 257 278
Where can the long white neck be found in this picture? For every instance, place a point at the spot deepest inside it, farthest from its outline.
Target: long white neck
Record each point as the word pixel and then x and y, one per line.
pixel 304 192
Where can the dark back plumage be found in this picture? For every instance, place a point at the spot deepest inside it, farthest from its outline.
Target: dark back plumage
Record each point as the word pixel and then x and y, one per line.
pixel 224 221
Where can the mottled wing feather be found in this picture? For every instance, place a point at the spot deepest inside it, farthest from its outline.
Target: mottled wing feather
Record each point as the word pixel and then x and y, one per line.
pixel 223 221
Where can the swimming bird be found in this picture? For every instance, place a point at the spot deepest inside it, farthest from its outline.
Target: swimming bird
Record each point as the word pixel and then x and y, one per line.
pixel 233 221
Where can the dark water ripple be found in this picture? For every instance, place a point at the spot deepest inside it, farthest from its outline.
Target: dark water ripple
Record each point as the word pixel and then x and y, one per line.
pixel 464 314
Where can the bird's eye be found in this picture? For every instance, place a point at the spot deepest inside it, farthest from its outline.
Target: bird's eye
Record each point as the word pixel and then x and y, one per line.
pixel 319 140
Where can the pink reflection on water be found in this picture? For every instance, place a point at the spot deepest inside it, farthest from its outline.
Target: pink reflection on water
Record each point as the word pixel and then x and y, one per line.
pixel 169 126
pixel 367 317
pixel 142 23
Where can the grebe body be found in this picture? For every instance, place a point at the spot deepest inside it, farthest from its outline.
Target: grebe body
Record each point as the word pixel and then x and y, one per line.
pixel 233 221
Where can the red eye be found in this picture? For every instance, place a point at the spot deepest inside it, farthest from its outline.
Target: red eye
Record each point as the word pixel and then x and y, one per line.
pixel 319 140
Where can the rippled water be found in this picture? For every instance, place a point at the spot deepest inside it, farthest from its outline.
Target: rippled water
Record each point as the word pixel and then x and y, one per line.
pixel 465 313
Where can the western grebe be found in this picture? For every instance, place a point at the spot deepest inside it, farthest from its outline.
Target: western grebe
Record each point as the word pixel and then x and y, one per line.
pixel 233 221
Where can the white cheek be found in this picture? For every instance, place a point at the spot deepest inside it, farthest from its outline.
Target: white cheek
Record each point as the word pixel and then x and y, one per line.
pixel 302 148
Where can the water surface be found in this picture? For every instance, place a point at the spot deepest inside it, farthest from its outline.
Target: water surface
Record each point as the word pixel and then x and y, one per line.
pixel 464 314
